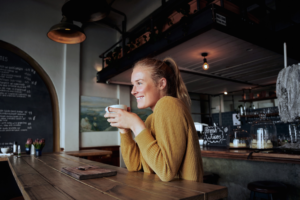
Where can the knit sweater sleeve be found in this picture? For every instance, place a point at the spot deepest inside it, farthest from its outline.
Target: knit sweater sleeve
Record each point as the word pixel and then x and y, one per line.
pixel 130 152
pixel 165 153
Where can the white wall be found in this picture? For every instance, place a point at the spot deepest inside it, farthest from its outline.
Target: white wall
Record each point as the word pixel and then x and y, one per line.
pixel 25 23
pixel 99 39
pixel 72 68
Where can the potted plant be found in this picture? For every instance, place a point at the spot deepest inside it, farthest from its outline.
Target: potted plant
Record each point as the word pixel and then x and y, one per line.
pixel 39 145
pixel 28 145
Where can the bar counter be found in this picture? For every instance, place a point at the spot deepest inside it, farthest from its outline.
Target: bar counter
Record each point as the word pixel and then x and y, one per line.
pixel 41 178
pixel 250 155
pixel 237 168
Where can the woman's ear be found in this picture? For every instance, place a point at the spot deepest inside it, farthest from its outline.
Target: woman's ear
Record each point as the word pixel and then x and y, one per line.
pixel 162 83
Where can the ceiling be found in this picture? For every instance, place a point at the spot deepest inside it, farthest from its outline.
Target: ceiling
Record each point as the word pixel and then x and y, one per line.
pixel 228 57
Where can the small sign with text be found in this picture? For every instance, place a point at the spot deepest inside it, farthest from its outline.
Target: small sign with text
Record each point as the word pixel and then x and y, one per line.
pixel 215 136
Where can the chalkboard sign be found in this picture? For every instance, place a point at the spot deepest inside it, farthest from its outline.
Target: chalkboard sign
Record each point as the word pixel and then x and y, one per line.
pixel 215 136
pixel 25 103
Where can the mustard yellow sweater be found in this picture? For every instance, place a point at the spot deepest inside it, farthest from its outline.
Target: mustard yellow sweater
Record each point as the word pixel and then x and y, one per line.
pixel 168 146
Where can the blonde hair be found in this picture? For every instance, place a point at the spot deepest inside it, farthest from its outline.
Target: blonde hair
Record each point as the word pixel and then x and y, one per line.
pixel 167 69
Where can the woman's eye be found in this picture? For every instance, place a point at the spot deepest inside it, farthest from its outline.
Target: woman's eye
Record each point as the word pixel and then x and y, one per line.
pixel 139 83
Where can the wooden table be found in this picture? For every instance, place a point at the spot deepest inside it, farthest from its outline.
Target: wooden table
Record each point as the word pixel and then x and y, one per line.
pixel 40 178
pixel 90 152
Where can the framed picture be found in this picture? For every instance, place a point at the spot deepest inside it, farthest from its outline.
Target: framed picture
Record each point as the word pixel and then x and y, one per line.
pixel 92 114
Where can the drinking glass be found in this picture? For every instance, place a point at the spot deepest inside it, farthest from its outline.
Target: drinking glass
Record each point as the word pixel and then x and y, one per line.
pixel 293 132
pixel 276 110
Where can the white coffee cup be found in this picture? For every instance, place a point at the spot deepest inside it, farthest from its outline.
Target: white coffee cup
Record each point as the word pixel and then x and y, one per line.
pixel 120 106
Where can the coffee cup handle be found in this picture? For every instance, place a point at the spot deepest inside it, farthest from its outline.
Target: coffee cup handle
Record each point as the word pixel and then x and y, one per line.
pixel 106 109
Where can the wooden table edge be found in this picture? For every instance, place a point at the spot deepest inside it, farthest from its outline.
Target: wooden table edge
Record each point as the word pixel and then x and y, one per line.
pixel 24 193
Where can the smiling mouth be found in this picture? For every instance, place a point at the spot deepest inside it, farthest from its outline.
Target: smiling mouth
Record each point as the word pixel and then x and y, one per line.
pixel 139 98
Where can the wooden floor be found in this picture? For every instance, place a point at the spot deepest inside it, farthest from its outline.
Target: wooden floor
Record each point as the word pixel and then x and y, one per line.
pixel 40 178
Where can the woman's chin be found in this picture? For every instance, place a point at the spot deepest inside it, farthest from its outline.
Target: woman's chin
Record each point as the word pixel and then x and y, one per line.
pixel 141 107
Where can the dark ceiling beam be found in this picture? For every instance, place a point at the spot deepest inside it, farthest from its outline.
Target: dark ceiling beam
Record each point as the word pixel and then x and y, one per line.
pixel 193 72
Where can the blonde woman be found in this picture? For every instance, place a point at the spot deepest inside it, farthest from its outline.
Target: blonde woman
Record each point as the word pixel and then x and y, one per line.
pixel 167 143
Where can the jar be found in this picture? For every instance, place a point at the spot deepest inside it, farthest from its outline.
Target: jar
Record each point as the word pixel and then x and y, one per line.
pixel 263 134
pixel 238 138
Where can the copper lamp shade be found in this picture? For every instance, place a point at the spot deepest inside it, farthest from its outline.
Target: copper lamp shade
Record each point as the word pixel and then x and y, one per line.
pixel 66 32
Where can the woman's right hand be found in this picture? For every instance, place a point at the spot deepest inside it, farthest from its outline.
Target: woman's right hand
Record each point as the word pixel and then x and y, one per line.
pixel 125 120
pixel 123 130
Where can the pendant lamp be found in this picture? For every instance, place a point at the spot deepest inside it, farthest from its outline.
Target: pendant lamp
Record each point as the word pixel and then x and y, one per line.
pixel 66 32
pixel 205 65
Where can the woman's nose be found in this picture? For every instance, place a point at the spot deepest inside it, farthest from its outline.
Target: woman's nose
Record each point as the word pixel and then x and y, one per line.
pixel 133 91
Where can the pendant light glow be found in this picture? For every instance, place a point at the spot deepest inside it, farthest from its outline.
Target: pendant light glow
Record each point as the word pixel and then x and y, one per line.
pixel 205 65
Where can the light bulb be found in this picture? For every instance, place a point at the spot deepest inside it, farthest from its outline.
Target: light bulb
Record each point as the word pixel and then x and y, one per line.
pixel 225 93
pixel 205 66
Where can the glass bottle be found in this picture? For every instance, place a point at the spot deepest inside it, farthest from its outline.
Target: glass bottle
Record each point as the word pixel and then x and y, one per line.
pixel 263 134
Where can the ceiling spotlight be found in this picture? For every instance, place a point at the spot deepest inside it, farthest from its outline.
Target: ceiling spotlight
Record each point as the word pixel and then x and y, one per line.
pixel 205 65
pixel 225 93
pixel 66 32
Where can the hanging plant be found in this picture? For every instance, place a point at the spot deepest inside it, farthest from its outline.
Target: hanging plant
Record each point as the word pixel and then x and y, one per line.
pixel 113 56
pixel 184 9
pixel 138 43
pixel 145 38
pixel 169 21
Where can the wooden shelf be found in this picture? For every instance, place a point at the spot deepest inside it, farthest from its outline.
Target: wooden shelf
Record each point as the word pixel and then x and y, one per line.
pixel 258 99
pixel 267 115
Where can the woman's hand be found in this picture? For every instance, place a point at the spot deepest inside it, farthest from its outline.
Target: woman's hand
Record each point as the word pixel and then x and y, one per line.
pixel 125 120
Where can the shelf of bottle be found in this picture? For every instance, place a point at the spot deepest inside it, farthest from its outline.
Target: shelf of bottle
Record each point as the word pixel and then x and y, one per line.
pixel 258 99
pixel 267 115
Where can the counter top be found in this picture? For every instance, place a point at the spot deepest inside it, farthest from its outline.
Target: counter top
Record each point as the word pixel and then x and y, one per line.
pixel 40 178
pixel 249 154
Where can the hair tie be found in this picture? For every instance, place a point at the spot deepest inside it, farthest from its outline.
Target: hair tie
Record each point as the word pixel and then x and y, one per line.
pixel 169 65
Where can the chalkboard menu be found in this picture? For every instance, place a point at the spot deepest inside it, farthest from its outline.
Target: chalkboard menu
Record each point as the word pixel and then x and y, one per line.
pixel 25 103
pixel 215 136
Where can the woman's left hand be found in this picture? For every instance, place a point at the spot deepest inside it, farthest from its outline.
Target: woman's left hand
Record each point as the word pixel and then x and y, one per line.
pixel 125 120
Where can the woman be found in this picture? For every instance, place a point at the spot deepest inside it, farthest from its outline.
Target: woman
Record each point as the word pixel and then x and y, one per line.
pixel 167 143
